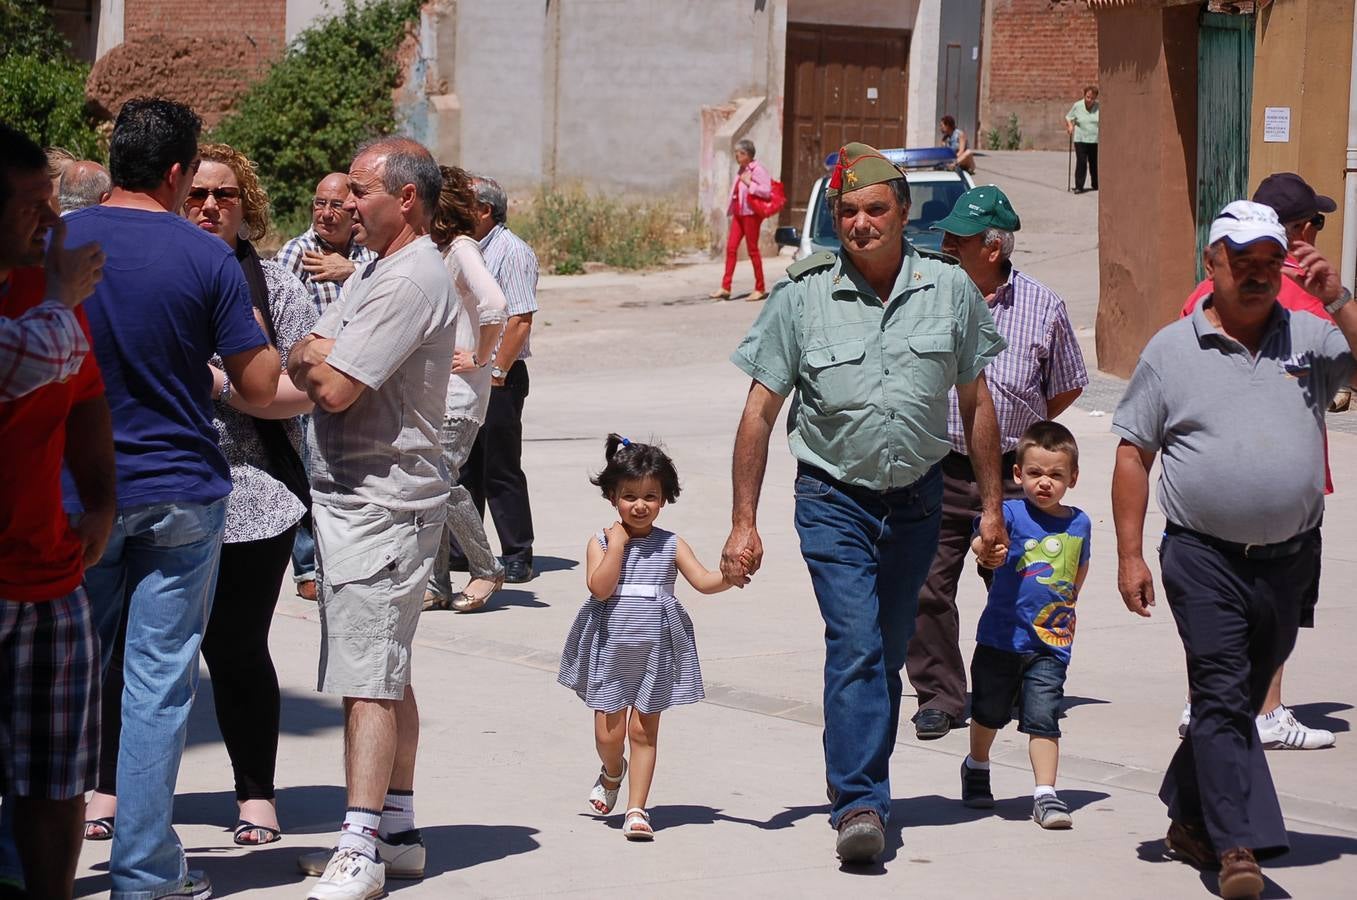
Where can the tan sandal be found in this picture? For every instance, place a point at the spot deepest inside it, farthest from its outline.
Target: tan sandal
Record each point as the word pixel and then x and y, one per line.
pixel 636 826
pixel 719 295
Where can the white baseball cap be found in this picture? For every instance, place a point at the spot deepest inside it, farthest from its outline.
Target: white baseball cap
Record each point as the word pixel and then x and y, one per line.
pixel 1243 222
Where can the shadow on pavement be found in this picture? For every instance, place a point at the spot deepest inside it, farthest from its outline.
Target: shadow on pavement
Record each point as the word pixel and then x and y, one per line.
pixel 305 809
pixel 507 597
pixel 303 714
pixel 542 564
pixel 1070 702
pixel 1321 715
pixel 455 847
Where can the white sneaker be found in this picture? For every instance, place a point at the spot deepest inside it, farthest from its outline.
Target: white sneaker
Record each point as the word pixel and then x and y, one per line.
pixel 351 875
pixel 1280 731
pixel 1185 720
pixel 403 856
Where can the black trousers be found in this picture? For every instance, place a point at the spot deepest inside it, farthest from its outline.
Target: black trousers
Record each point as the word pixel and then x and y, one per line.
pixel 934 662
pixel 494 471
pixel 1237 619
pixel 236 650
pixel 1085 160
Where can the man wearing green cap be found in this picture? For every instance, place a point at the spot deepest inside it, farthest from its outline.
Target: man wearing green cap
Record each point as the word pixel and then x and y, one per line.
pixel 1037 377
pixel 870 338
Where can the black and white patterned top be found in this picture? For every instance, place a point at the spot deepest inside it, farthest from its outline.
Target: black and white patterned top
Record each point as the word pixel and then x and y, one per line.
pixel 260 506
pixel 635 648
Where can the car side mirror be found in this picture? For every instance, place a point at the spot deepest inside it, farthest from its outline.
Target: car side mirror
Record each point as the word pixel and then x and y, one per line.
pixel 787 236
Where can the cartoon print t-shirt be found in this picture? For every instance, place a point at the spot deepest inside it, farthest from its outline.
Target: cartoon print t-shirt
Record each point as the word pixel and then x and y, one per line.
pixel 1031 602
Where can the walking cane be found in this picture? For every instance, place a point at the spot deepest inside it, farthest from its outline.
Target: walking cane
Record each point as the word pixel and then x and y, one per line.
pixel 1069 159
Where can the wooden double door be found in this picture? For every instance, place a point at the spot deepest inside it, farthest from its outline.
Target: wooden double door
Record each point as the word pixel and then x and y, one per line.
pixel 843 84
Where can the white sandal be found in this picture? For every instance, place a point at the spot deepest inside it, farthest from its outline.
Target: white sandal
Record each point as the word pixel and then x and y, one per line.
pixel 636 826
pixel 602 798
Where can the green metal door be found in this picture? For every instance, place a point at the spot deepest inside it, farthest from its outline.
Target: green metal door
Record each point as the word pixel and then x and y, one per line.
pixel 1224 95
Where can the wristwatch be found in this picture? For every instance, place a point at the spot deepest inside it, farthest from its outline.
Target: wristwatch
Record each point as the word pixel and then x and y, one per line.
pixel 1344 298
pixel 496 372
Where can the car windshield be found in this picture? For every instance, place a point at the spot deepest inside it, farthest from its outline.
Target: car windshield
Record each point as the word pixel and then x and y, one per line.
pixel 929 202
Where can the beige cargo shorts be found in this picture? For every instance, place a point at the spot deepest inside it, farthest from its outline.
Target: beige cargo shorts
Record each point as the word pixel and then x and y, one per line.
pixel 373 565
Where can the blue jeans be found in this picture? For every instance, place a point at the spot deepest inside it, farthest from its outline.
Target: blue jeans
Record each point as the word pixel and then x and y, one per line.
pixel 303 555
pixel 161 562
pixel 868 553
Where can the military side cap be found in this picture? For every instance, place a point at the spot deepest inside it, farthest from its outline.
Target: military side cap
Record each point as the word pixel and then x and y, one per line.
pixel 859 166
pixel 978 209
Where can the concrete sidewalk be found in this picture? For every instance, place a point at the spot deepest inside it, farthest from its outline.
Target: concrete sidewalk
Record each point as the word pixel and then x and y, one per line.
pixel 507 755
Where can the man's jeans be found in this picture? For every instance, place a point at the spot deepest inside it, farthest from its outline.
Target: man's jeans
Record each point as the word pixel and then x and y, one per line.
pixel 162 561
pixel 304 544
pixel 868 553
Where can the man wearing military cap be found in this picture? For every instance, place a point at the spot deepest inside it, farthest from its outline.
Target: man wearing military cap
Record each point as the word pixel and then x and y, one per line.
pixel 870 338
pixel 1037 377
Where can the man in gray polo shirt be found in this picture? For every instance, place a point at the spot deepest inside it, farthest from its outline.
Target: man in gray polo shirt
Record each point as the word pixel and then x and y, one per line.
pixel 377 368
pixel 1237 556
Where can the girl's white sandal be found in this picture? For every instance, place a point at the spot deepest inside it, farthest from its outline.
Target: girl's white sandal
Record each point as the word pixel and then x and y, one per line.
pixel 636 826
pixel 602 798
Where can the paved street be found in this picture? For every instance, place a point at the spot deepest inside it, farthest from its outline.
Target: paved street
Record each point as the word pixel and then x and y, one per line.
pixel 507 755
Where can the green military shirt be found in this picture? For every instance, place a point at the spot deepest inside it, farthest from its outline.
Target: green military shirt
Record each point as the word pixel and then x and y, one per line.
pixel 872 378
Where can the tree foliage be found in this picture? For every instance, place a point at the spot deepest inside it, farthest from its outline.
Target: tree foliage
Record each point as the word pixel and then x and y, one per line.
pixel 329 93
pixel 42 90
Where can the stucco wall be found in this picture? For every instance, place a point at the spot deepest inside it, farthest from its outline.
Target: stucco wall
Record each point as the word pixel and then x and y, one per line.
pixel 863 13
pixel 1146 230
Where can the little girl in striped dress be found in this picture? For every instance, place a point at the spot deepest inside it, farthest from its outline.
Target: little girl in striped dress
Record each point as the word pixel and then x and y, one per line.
pixel 631 654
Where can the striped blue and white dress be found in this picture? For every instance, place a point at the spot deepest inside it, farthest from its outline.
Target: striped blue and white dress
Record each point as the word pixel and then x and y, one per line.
pixel 635 648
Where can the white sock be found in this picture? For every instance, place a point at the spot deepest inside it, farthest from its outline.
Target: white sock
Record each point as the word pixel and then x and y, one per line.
pixel 359 830
pixel 1269 717
pixel 398 813
pixel 972 764
pixel 1043 790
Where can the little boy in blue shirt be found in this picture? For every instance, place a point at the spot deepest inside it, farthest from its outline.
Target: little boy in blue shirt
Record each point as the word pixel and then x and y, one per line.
pixel 1024 637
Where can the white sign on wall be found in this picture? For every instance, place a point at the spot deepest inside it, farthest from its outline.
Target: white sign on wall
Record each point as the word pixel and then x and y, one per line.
pixel 1277 125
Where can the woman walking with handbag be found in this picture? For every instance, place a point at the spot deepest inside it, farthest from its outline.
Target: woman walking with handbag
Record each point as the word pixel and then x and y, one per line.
pixel 269 497
pixel 752 184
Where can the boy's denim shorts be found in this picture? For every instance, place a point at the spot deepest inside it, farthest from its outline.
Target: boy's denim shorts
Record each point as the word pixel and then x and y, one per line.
pixel 1034 681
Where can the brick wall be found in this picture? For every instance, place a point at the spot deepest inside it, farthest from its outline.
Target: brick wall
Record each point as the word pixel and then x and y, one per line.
pixel 206 58
pixel 1041 54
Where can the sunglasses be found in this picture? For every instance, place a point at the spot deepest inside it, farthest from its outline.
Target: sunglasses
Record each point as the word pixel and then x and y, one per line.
pixel 225 196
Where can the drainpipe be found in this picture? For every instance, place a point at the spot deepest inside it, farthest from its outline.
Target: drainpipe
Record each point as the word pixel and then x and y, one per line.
pixel 1349 258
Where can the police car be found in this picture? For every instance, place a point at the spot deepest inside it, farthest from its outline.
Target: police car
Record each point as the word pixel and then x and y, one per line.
pixel 933 189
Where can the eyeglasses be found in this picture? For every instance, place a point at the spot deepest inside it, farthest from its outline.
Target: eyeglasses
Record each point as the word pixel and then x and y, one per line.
pixel 225 196
pixel 1318 221
pixel 319 205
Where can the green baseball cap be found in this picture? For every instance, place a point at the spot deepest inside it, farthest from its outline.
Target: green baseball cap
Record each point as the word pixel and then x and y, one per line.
pixel 858 166
pixel 978 209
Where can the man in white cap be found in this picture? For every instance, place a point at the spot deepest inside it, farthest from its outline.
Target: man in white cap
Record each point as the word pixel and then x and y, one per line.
pixel 1237 558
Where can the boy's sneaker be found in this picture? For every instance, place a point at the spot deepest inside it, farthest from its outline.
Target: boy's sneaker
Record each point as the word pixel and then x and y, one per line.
pixel 975 791
pixel 402 854
pixel 1280 731
pixel 1049 811
pixel 195 886
pixel 351 875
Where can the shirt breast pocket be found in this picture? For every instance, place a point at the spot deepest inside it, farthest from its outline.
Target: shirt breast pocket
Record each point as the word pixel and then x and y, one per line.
pixel 932 361
pixel 834 374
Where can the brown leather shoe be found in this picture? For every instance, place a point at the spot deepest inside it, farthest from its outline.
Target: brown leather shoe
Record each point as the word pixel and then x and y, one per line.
pixel 861 837
pixel 307 590
pixel 1240 876
pixel 1192 845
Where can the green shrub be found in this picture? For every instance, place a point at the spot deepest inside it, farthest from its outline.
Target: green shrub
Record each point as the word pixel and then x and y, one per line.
pixel 1007 138
pixel 45 99
pixel 569 227
pixel 29 30
pixel 330 92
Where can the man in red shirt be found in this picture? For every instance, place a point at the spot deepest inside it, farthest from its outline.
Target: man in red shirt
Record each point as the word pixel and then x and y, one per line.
pixel 49 654
pixel 1301 211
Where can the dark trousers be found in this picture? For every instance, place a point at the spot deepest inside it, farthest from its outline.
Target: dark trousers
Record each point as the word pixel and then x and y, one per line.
pixel 934 664
pixel 1237 619
pixel 494 471
pixel 236 650
pixel 1085 160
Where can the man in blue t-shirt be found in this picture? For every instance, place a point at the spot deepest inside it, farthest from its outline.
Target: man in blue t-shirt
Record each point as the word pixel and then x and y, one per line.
pixel 1023 640
pixel 171 296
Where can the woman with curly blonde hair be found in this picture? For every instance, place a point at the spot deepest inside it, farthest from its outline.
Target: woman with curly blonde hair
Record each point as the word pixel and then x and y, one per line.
pixel 478 326
pixel 269 497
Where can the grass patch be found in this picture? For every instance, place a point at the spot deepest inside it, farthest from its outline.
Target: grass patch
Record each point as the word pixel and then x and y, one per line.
pixel 568 227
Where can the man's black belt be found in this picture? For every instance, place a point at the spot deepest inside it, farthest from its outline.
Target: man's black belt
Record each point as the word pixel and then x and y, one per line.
pixel 1247 551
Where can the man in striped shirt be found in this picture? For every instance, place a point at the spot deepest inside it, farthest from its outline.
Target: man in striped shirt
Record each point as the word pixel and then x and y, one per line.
pixel 1037 377
pixel 325 255
pixel 494 470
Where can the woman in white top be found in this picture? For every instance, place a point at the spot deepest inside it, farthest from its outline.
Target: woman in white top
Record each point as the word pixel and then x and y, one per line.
pixel 479 323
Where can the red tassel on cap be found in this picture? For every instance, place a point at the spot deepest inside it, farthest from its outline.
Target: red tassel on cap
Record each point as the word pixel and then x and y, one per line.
pixel 836 177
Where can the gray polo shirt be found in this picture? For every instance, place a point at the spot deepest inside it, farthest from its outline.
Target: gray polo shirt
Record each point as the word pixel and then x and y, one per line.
pixel 1241 438
pixel 393 331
